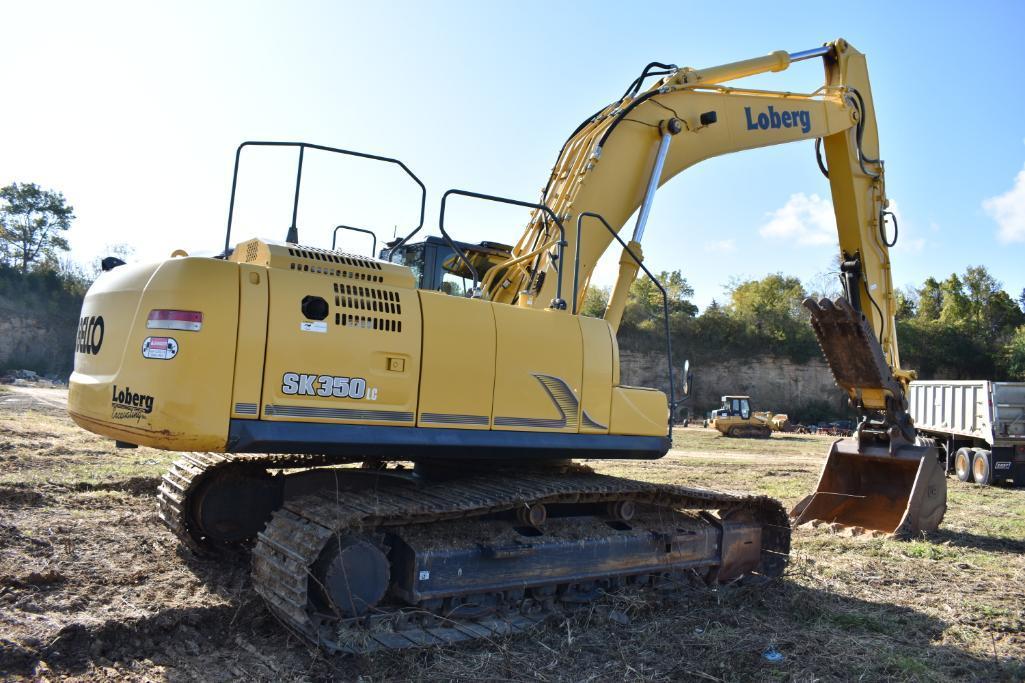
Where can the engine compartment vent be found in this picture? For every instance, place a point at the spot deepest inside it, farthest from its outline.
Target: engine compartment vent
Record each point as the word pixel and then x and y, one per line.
pixel 370 308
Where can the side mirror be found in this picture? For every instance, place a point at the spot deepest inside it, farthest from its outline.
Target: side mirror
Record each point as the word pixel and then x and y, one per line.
pixel 688 378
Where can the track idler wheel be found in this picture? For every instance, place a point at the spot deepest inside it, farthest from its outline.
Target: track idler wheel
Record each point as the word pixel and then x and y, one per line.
pixel 532 515
pixel 350 577
pixel 234 505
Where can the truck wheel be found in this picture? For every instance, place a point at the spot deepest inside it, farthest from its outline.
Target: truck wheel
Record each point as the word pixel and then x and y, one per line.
pixel 963 464
pixel 981 469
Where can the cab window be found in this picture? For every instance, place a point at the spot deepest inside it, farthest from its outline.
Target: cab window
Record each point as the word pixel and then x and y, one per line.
pixel 412 257
pixel 453 284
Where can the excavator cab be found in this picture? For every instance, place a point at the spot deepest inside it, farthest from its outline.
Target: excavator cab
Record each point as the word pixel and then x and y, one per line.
pixel 437 267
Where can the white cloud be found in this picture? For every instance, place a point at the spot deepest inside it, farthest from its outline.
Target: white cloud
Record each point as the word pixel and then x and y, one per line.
pixel 808 219
pixel 1008 210
pixel 722 246
pixel 911 245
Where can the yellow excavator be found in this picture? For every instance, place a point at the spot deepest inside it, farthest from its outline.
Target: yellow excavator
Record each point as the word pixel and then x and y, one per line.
pixel 272 363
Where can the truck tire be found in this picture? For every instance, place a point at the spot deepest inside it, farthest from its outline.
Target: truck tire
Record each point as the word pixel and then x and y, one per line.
pixel 982 470
pixel 963 464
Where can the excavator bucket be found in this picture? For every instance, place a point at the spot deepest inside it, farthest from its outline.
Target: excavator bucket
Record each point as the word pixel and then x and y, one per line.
pixel 866 486
pixel 900 494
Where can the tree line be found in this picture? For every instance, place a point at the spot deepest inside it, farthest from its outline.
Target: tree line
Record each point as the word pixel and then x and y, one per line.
pixel 965 327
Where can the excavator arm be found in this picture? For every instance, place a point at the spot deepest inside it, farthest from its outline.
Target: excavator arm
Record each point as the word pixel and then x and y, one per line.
pixel 613 164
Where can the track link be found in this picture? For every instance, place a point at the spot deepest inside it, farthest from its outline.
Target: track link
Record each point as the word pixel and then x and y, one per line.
pixel 297 533
pixel 187 475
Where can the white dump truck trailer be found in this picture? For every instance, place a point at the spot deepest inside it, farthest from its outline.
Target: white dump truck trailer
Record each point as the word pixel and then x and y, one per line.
pixel 978 425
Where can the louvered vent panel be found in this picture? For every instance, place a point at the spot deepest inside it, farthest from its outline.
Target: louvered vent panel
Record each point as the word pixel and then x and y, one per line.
pixel 252 250
pixel 345 266
pixel 371 308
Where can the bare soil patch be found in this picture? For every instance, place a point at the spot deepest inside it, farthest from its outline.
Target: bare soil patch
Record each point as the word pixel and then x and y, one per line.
pixel 93 587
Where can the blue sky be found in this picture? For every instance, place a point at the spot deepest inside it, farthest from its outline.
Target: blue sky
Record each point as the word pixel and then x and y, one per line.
pixel 134 111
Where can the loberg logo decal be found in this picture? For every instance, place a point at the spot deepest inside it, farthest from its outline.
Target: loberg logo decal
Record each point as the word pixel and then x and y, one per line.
pixel 128 405
pixel 775 119
pixel 89 338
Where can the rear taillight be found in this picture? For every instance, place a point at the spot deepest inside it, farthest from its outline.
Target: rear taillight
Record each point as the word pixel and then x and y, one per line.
pixel 175 320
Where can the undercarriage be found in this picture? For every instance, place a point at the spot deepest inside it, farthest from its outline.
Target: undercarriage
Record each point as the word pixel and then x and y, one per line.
pixel 363 559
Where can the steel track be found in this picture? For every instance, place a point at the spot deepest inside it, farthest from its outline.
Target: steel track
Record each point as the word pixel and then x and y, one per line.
pixel 297 534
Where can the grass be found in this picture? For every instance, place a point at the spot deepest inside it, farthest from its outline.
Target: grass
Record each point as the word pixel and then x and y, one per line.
pixel 43 448
pixel 709 440
pixel 945 606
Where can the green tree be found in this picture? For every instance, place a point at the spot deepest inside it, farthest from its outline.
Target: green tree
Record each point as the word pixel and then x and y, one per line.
pixel 907 304
pixel 1014 355
pixel 644 305
pixel 992 311
pixel 595 301
pixel 930 300
pixel 956 304
pixel 771 306
pixel 32 223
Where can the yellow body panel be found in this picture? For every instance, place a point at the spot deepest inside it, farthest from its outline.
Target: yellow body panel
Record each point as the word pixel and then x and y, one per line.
pixel 638 411
pixel 181 403
pixel 340 369
pixel 596 401
pixel 251 343
pixel 458 385
pixel 538 371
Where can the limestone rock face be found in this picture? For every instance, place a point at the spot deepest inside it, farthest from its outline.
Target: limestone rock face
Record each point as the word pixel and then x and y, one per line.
pixel 33 343
pixel 776 384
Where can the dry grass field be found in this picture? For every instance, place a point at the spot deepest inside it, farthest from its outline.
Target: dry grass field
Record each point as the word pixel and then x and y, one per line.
pixel 92 587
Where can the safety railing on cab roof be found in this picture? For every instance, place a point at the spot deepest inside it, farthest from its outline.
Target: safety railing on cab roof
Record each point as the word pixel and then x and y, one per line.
pixel 293 231
pixel 655 281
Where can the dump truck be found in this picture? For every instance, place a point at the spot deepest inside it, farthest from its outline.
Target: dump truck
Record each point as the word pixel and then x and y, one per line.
pixel 979 427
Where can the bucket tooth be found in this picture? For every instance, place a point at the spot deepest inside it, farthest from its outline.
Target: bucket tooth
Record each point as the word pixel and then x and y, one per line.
pixel 850 346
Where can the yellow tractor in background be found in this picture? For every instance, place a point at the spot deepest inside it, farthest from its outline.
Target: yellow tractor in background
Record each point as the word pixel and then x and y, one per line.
pixel 735 418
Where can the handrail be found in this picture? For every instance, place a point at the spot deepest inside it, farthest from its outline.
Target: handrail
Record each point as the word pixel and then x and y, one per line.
pixel 334 237
pixel 665 298
pixel 303 146
pixel 558 301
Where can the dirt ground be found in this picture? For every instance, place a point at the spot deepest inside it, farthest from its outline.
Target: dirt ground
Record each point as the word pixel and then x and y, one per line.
pixel 92 587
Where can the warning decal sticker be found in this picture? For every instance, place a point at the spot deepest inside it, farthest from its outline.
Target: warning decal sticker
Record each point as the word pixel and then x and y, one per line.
pixel 161 348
